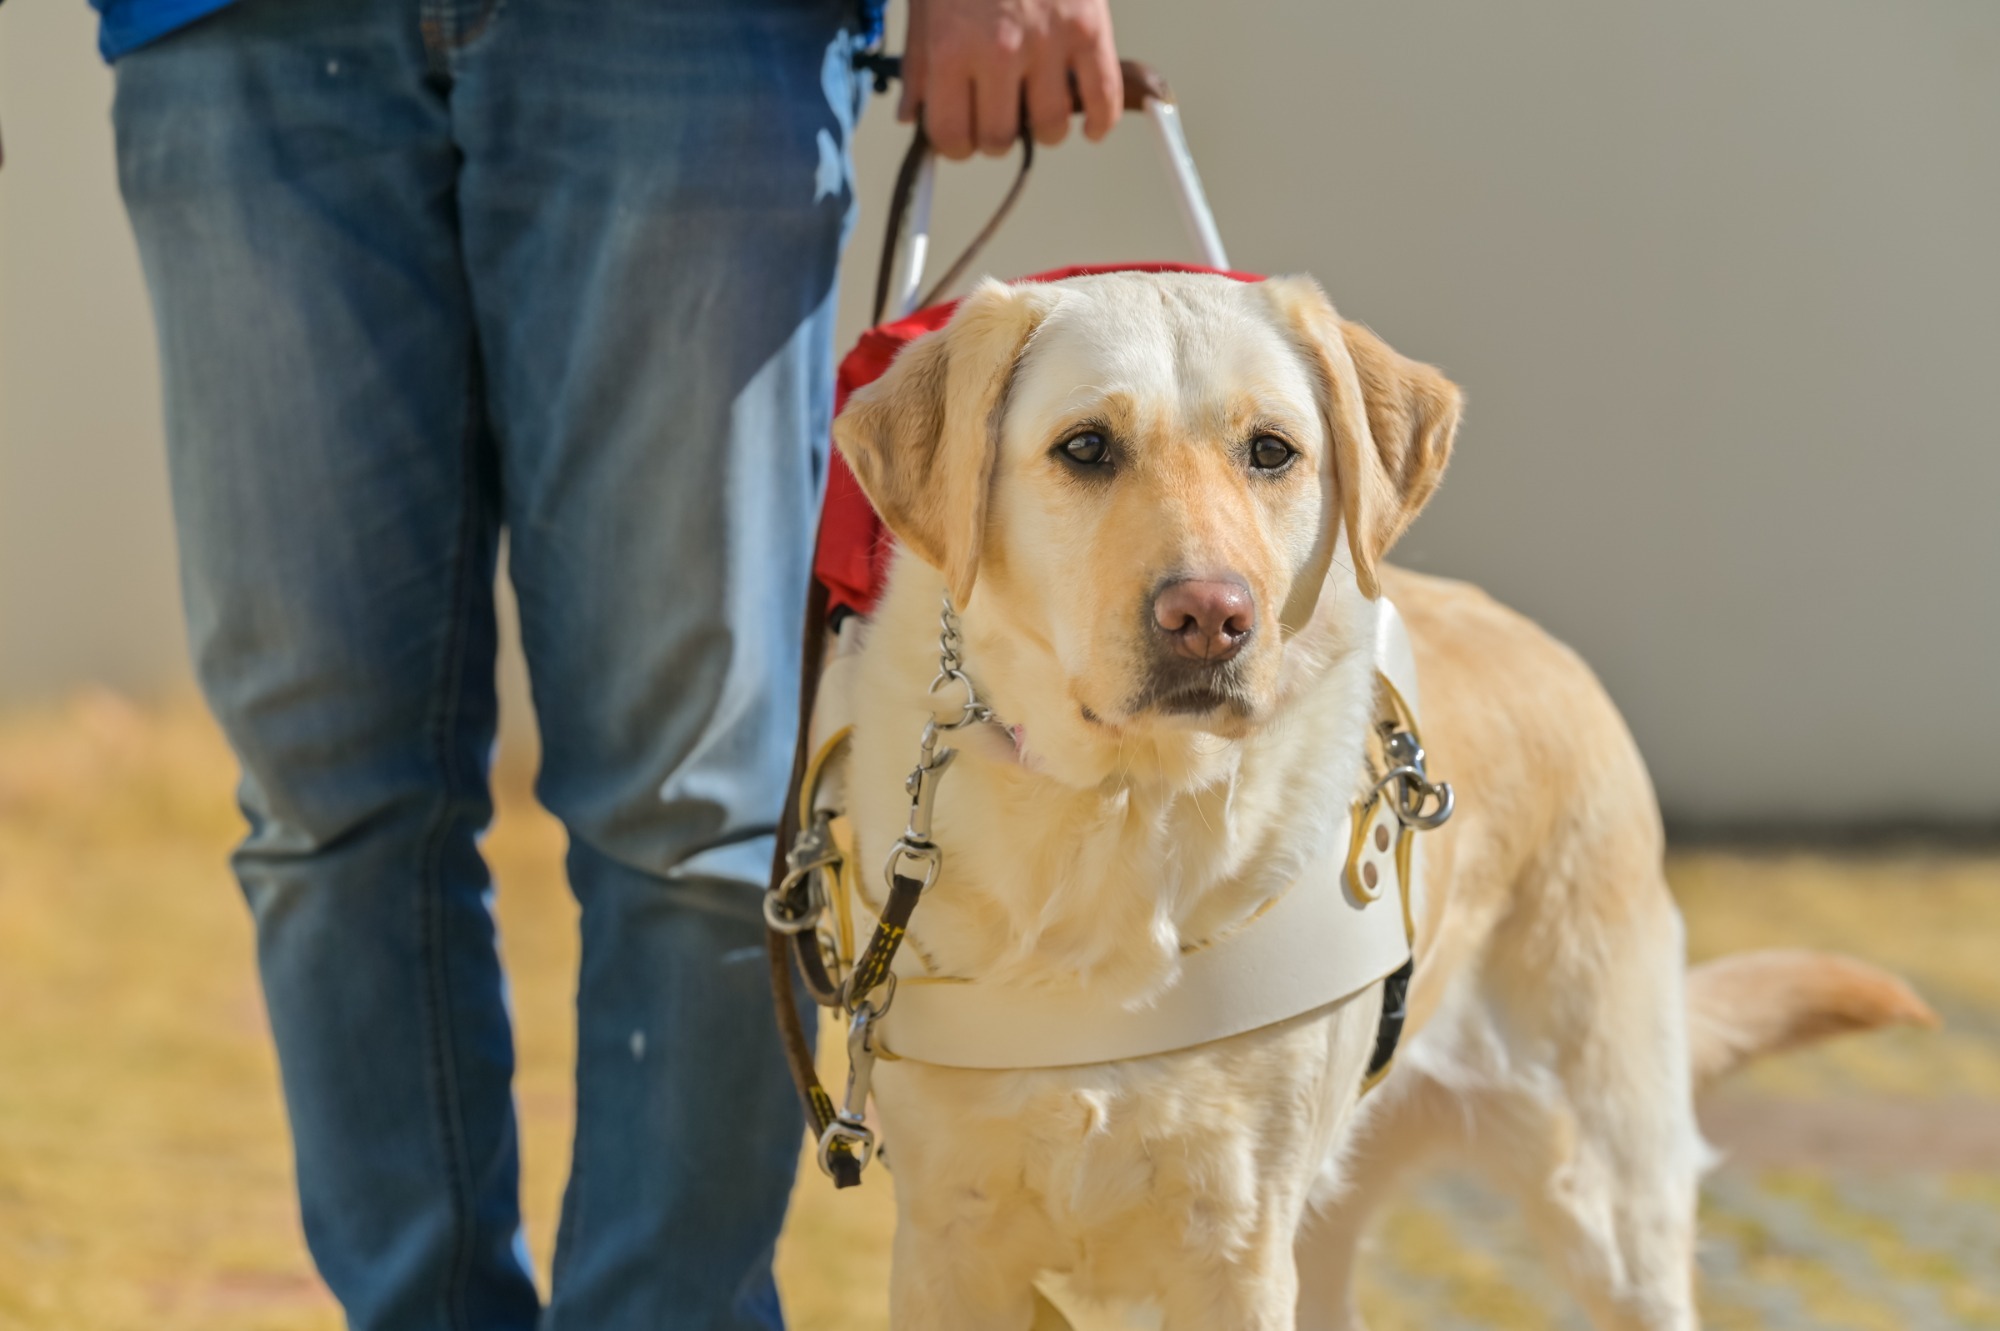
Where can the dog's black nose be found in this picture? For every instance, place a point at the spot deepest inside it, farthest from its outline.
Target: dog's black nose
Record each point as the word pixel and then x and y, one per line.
pixel 1207 619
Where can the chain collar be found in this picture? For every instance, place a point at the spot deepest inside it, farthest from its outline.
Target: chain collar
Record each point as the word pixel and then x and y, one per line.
pixel 915 847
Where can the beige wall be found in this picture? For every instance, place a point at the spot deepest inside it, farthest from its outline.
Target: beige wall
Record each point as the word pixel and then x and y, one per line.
pixel 86 562
pixel 1719 279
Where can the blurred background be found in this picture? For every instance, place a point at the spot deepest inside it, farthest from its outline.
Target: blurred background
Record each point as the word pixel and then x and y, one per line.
pixel 1719 280
pixel 1721 283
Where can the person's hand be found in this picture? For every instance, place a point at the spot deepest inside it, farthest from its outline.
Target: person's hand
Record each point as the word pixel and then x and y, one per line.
pixel 975 67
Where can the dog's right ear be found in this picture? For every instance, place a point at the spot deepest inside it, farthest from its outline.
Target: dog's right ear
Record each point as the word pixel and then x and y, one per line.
pixel 1392 422
pixel 923 438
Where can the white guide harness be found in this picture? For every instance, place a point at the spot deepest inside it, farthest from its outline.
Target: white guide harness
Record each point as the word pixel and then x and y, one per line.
pixel 1343 924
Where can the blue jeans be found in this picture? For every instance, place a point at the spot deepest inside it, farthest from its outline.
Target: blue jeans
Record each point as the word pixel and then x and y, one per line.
pixel 425 271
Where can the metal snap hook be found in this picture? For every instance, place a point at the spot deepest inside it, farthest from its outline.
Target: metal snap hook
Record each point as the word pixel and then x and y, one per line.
pixel 857 1137
pixel 781 918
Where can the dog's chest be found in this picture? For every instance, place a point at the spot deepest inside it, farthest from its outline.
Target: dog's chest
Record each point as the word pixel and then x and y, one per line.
pixel 1146 1156
pixel 1100 892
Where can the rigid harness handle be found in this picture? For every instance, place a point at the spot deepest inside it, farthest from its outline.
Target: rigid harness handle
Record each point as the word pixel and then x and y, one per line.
pixel 908 231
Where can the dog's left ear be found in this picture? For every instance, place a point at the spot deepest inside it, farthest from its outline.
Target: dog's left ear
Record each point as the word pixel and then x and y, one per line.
pixel 923 438
pixel 1390 423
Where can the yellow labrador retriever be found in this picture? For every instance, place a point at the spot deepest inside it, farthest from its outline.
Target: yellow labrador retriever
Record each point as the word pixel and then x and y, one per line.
pixel 1161 504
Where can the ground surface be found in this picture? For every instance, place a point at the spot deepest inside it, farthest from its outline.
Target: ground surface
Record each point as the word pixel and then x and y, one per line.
pixel 144 1174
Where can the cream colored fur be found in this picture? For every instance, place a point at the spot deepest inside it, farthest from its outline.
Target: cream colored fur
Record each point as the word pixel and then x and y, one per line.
pixel 1229 1183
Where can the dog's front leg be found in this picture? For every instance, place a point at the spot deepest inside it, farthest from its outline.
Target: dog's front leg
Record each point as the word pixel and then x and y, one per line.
pixel 1256 1290
pixel 956 1278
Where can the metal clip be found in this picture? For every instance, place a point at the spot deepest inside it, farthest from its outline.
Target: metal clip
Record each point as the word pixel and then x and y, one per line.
pixel 922 785
pixel 814 849
pixel 926 855
pixel 812 852
pixel 781 918
pixel 861 1056
pixel 1420 804
pixel 849 1126
pixel 859 1138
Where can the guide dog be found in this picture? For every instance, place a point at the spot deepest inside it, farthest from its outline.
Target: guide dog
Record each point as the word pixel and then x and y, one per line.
pixel 1161 504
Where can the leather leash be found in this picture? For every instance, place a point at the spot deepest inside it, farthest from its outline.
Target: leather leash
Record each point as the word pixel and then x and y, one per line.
pixel 842 1153
pixel 801 950
pixel 845 1142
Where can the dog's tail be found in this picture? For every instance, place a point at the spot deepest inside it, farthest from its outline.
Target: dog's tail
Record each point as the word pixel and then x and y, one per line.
pixel 1744 1006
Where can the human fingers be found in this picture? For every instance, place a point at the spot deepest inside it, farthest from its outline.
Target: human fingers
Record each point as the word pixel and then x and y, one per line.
pixel 1093 60
pixel 1049 104
pixel 916 64
pixel 948 110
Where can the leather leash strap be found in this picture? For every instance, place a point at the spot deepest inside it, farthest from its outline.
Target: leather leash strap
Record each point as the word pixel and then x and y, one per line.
pixel 800 950
pixel 873 969
pixel 899 208
pixel 785 951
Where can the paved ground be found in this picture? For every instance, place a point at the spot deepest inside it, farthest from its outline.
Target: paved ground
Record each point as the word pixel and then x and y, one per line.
pixel 144 1172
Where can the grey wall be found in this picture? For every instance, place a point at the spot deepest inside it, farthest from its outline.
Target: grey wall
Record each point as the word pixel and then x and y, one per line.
pixel 1719 279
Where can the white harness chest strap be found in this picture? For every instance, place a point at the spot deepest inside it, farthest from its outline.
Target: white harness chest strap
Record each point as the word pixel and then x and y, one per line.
pixel 1338 929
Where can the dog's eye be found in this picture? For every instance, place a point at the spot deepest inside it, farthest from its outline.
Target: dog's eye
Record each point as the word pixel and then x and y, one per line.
pixel 1088 449
pixel 1270 453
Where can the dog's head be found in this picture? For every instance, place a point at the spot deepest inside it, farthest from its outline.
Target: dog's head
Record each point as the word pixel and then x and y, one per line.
pixel 1136 487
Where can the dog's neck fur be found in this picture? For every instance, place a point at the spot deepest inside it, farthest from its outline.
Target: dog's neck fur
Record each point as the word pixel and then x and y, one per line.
pixel 1098 862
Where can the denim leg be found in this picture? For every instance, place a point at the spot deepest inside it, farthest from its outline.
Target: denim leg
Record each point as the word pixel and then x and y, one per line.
pixel 655 197
pixel 290 178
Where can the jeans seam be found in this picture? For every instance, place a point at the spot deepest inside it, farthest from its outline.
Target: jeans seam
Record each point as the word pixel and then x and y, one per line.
pixel 570 1218
pixel 431 925
pixel 446 32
